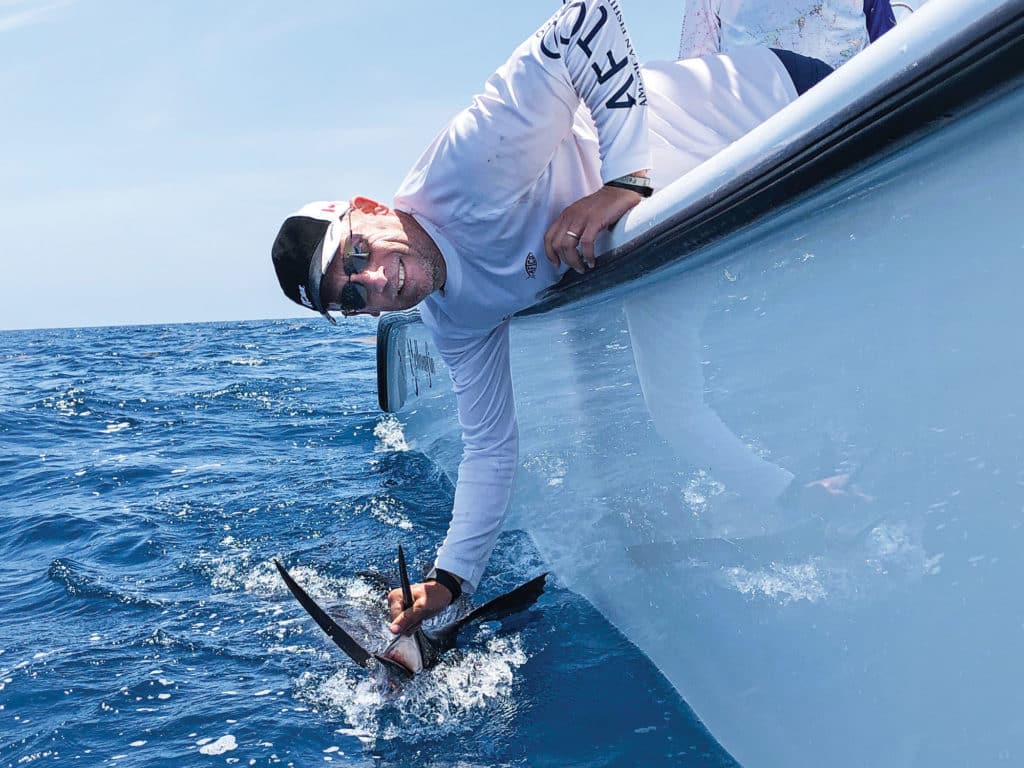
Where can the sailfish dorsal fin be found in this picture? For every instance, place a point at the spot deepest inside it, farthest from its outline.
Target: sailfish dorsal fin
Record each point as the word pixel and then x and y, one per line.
pixel 403 574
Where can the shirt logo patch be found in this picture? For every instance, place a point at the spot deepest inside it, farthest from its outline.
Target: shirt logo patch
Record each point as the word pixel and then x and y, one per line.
pixel 531 265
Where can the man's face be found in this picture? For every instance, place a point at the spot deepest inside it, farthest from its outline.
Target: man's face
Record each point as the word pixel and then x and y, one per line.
pixel 396 277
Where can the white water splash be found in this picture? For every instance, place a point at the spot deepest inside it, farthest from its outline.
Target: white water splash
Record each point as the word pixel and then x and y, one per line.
pixel 386 511
pixel 446 700
pixel 389 432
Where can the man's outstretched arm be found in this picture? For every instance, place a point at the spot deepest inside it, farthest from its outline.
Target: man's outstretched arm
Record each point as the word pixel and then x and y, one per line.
pixel 482 383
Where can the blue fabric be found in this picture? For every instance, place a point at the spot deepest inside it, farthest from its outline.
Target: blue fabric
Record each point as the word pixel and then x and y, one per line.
pixel 804 71
pixel 879 18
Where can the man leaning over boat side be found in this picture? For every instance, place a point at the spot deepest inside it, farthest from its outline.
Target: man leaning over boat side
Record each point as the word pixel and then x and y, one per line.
pixel 566 137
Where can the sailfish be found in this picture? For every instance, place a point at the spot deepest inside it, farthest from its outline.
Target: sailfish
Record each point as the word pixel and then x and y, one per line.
pixel 419 648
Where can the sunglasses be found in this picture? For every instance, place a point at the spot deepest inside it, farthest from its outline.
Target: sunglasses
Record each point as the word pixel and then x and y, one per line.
pixel 353 260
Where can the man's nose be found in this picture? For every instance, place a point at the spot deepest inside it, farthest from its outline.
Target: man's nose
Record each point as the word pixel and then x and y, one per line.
pixel 372 277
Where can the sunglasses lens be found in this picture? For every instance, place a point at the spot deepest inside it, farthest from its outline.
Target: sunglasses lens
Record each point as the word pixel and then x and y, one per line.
pixel 353 297
pixel 356 263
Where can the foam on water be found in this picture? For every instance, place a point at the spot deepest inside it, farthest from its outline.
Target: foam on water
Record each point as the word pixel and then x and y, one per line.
pixel 208 746
pixel 388 431
pixel 447 700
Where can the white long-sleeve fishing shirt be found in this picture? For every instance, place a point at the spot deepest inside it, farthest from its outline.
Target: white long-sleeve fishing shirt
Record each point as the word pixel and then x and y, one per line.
pixel 566 113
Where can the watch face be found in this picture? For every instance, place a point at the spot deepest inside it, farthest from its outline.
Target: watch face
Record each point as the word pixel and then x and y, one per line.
pixel 636 181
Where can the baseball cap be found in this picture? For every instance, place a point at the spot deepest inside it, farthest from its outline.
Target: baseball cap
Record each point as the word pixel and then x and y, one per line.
pixel 304 248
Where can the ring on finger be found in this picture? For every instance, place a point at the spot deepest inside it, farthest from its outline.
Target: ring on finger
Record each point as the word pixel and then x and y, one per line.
pixel 572 234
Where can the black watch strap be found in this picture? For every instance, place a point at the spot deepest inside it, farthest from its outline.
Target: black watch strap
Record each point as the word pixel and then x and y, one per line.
pixel 447 580
pixel 639 184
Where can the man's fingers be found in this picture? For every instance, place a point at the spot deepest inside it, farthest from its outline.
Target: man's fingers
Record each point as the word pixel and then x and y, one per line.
pixel 568 243
pixel 568 249
pixel 586 248
pixel 427 602
pixel 402 620
pixel 560 245
pixel 405 621
pixel 573 261
pixel 549 243
pixel 571 237
pixel 580 252
pixel 395 603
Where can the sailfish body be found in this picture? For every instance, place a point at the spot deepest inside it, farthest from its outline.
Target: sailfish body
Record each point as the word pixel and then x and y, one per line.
pixel 420 648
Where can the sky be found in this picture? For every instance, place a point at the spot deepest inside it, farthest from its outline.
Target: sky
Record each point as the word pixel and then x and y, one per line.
pixel 152 148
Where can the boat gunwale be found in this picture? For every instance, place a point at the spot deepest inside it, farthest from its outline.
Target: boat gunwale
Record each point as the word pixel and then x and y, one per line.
pixel 965 71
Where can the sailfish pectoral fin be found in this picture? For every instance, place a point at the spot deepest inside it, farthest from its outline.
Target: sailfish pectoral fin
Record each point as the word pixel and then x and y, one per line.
pixel 343 639
pixel 519 599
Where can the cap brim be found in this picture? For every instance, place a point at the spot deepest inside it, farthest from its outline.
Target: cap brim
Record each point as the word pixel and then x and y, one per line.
pixel 325 252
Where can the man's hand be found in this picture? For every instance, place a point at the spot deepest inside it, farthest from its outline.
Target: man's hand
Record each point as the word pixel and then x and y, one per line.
pixel 428 599
pixel 586 218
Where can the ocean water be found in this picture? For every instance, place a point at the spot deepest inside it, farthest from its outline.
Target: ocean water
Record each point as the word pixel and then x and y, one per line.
pixel 149 477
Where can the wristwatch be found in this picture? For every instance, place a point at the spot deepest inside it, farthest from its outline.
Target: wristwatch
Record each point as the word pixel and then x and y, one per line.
pixel 639 184
pixel 449 581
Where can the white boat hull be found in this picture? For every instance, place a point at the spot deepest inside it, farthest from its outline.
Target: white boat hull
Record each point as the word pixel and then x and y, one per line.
pixel 867 329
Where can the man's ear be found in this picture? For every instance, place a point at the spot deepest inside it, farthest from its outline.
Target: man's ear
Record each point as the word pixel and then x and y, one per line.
pixel 368 206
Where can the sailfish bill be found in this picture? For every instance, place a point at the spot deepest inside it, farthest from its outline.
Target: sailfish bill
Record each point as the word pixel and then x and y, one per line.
pixel 420 648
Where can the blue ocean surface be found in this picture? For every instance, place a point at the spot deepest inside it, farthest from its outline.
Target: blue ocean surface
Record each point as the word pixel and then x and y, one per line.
pixel 149 477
